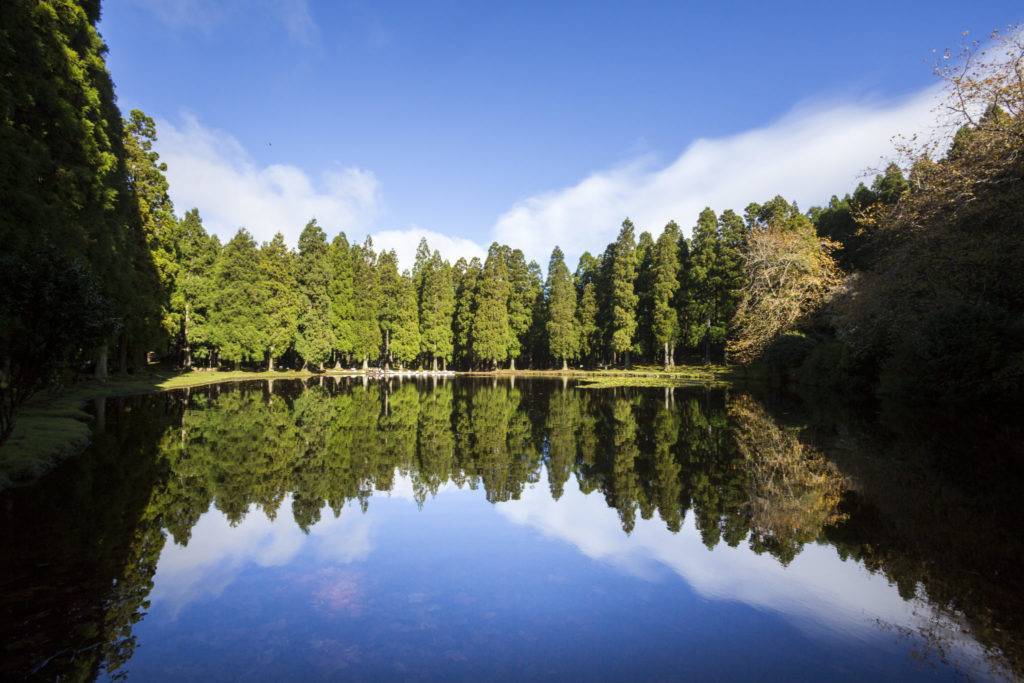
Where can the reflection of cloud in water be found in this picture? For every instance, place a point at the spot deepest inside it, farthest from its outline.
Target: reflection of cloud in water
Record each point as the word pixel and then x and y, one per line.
pixel 217 552
pixel 817 592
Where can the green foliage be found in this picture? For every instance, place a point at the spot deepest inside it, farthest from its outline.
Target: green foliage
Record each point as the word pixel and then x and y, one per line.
pixel 366 336
pixel 341 293
pixel 236 315
pixel 492 335
pixel 622 295
pixel 436 306
pixel 664 284
pixel 586 323
pixel 705 325
pixel 562 332
pixel 282 302
pixel 467 282
pixel 315 339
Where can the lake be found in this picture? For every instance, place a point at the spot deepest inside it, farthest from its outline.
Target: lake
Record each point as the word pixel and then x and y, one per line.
pixel 463 529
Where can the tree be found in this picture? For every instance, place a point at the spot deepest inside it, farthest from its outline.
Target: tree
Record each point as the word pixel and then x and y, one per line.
pixel 524 284
pixel 563 334
pixel 366 333
pixel 467 282
pixel 789 275
pixel 405 332
pixel 586 323
pixel 731 277
pixel 315 339
pixel 704 321
pixel 341 291
pixel 437 308
pixel 155 215
pixel 644 286
pixel 664 285
pixel 623 296
pixel 281 305
pixel 492 332
pixel 193 289
pixel 397 312
pixel 236 316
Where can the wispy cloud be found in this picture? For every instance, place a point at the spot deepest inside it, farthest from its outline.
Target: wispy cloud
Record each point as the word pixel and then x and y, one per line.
pixel 206 15
pixel 808 155
pixel 211 170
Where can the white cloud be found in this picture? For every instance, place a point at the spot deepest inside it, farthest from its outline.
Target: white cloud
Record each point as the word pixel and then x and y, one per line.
pixel 404 242
pixel 211 170
pixel 808 155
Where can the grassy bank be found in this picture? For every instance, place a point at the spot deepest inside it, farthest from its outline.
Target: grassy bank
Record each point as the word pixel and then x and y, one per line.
pixel 638 376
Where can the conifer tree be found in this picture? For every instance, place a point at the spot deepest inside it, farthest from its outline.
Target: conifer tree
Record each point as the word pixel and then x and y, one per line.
pixel 192 291
pixel 562 332
pixel 645 296
pixel 524 284
pixel 281 305
pixel 236 321
pixel 315 339
pixel 586 323
pixel 623 296
pixel 704 326
pixel 392 301
pixel 492 333
pixel 341 291
pixel 437 308
pixel 664 285
pixel 731 276
pixel 366 338
pixel 405 332
pixel 467 277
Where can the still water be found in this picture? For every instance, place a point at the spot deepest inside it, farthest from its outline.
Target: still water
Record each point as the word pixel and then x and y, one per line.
pixel 479 530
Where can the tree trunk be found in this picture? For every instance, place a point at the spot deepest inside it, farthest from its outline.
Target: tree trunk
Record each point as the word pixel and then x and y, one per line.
pixel 707 343
pixel 444 364
pixel 270 361
pixel 628 360
pixel 387 350
pixel 512 364
pixel 366 363
pixel 435 364
pixel 101 362
pixel 668 362
pixel 565 364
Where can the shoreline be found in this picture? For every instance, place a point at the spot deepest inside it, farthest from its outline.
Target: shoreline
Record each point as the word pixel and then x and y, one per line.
pixel 53 425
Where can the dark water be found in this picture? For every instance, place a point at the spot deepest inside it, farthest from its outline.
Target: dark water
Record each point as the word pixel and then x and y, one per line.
pixel 477 531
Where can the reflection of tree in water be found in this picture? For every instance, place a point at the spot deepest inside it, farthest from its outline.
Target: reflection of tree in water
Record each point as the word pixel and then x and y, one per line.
pixel 742 475
pixel 793 491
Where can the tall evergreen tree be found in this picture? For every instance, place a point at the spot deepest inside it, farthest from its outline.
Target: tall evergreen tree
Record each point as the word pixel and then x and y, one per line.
pixel 586 323
pixel 282 302
pixel 562 331
pixel 623 296
pixel 467 282
pixel 392 301
pixel 315 339
pixel 366 337
pixel 341 290
pixel 731 275
pixel 663 287
pixel 236 321
pixel 405 331
pixel 437 308
pixel 524 285
pixel 492 332
pixel 645 343
pixel 704 324
pixel 193 289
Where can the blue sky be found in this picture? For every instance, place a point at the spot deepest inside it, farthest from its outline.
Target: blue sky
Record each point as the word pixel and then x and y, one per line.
pixel 528 122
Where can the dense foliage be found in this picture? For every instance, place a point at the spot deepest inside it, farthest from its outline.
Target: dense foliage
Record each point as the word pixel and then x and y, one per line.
pixel 912 286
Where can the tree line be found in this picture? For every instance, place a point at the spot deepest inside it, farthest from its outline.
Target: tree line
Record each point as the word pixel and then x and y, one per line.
pixel 911 287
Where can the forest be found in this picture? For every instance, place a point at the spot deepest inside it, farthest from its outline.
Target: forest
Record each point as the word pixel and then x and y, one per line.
pixel 908 287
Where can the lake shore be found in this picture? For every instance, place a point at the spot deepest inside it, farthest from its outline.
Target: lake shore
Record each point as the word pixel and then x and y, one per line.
pixel 54 425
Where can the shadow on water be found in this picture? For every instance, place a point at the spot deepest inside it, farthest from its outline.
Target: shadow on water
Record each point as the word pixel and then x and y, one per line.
pixel 81 547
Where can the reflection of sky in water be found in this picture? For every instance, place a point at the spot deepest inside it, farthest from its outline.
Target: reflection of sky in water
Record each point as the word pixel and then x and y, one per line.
pixel 533 588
